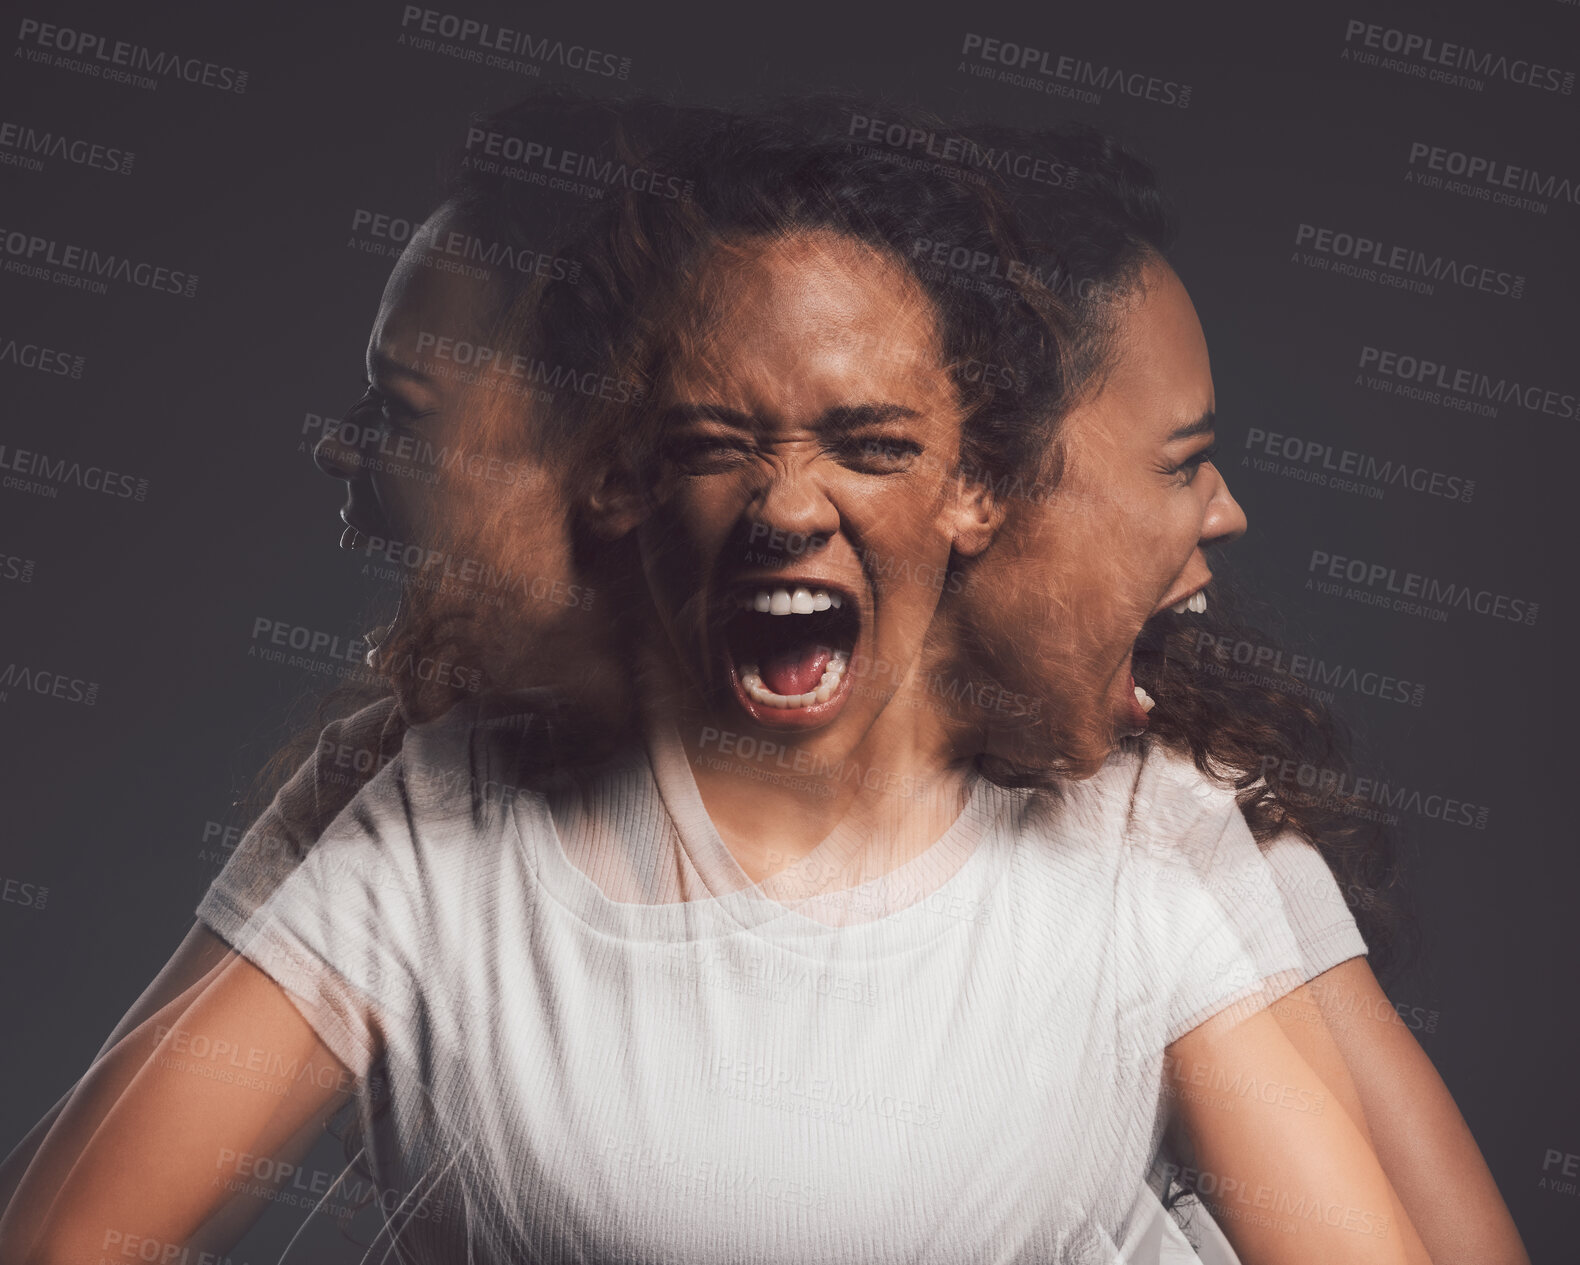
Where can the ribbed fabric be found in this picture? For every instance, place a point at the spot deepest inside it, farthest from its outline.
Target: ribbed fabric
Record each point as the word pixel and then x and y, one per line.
pixel 602 1044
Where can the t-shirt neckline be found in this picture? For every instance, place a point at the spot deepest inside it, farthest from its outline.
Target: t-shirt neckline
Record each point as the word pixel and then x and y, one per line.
pixel 948 881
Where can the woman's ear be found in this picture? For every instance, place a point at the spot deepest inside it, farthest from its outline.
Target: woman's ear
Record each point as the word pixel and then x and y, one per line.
pixel 613 508
pixel 978 516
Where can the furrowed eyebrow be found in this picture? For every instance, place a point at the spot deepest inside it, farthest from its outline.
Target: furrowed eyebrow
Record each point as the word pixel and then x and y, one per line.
pixel 679 414
pixel 845 417
pixel 1203 425
pixel 855 416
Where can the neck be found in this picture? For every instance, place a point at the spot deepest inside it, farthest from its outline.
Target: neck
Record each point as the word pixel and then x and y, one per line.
pixel 871 801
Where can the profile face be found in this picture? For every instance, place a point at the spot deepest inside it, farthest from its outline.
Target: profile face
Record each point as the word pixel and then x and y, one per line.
pixel 421 488
pixel 807 504
pixel 1122 539
pixel 386 445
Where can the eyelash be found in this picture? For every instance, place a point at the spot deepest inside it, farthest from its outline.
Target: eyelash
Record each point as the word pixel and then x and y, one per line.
pixel 709 454
pixel 893 454
pixel 1196 461
pixel 391 413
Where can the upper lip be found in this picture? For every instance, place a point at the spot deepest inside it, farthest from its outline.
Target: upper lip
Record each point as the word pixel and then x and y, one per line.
pixel 345 517
pixel 1181 596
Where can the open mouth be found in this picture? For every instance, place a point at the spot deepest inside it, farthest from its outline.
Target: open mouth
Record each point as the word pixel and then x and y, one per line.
pixel 1149 652
pixel 790 649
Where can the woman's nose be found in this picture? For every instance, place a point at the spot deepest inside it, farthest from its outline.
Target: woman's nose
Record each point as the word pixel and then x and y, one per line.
pixel 1224 520
pixel 335 457
pixel 792 506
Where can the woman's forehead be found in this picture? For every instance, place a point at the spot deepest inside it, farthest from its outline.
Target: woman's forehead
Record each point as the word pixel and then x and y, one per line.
pixel 818 286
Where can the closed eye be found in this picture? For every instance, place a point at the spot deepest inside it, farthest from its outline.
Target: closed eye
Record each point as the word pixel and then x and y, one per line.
pixel 1194 462
pixel 877 454
pixel 707 452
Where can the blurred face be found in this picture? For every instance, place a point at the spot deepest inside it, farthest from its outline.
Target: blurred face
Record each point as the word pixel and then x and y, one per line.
pixel 385 448
pixel 413 455
pixel 1123 539
pixel 808 503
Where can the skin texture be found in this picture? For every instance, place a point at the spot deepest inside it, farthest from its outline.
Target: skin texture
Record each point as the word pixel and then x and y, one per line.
pixel 440 468
pixel 808 398
pixel 1124 536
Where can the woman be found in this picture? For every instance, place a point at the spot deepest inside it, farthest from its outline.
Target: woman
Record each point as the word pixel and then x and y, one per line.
pixel 1112 543
pixel 435 462
pixel 840 428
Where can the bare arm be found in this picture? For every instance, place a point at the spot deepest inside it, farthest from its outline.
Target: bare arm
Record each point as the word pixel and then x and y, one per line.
pixel 146 1145
pixel 1289 1180
pixel 195 958
pixel 1343 1024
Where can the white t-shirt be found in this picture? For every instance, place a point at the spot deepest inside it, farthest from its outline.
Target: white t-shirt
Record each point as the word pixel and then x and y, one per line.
pixel 601 1043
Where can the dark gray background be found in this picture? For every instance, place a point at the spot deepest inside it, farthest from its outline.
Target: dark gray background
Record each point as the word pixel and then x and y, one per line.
pixel 106 806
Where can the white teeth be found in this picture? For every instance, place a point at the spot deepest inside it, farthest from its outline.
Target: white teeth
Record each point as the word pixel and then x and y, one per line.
pixel 798 601
pixel 1144 699
pixel 1196 603
pixel 752 680
pixel 1179 608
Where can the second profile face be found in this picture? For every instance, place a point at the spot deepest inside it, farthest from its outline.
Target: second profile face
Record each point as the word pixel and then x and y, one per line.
pixel 1123 538
pixel 808 502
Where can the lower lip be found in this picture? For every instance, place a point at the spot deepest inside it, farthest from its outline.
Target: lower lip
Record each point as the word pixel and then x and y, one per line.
pixel 812 716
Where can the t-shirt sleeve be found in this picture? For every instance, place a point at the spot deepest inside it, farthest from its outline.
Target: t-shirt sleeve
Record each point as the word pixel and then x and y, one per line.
pixel 344 931
pixel 1323 925
pixel 348 754
pixel 1215 921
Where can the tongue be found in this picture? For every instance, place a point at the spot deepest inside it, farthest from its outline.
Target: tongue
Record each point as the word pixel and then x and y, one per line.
pixel 797 671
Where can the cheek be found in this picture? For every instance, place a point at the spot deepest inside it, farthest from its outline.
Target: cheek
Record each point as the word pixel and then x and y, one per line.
pixel 411 507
